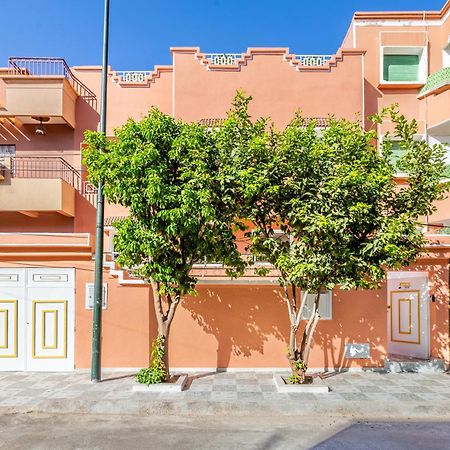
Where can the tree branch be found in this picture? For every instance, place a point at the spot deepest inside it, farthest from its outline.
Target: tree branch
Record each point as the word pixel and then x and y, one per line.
pixel 158 305
pixel 310 336
pixel 306 331
pixel 288 303
pixel 302 307
pixel 172 309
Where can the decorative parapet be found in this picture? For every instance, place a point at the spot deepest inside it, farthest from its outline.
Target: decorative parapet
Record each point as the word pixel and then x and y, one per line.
pixel 234 61
pixel 230 59
pixel 436 83
pixel 223 59
pixel 139 78
pixel 212 122
pixel 313 60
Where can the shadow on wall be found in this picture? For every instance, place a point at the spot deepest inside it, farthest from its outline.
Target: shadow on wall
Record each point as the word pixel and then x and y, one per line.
pixel 439 313
pixel 251 322
pixel 358 317
pixel 242 319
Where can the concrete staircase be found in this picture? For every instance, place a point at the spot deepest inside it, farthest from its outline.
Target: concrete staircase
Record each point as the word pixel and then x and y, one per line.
pixel 400 363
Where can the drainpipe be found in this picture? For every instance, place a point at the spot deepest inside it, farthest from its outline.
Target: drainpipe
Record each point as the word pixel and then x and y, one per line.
pixel 98 278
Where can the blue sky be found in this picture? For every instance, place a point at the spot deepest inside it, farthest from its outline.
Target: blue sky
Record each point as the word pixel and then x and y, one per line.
pixel 143 30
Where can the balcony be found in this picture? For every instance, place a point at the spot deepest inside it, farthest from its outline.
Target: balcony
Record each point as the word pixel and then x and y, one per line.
pixel 435 99
pixel 42 88
pixel 32 185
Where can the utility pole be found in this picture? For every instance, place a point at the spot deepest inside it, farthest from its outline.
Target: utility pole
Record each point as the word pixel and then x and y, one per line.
pixel 98 277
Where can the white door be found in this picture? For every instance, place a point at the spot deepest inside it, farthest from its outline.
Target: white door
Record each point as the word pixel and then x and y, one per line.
pixel 408 306
pixel 44 325
pixel 12 319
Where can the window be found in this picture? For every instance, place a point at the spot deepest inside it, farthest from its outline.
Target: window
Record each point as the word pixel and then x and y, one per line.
pixel 325 309
pixel 401 68
pixel 446 55
pixel 7 150
pixel 397 153
pixel 403 65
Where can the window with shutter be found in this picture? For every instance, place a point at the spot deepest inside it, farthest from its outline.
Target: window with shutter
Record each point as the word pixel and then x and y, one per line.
pixel 401 68
pixel 397 153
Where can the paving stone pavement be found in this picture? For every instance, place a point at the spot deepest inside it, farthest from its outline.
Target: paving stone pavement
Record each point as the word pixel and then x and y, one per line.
pixel 363 393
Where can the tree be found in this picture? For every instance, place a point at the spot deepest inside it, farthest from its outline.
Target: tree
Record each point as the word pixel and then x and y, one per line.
pixel 168 174
pixel 333 195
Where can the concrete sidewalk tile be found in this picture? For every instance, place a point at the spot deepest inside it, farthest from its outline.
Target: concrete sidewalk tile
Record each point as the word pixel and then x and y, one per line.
pixel 224 387
pixel 222 396
pixel 250 396
pixel 407 397
pixel 354 397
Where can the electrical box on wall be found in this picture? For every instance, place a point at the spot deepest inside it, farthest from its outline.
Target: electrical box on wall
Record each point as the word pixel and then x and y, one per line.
pixel 90 296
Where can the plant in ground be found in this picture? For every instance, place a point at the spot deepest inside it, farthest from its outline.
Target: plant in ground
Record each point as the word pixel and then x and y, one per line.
pixel 325 208
pixel 168 174
pixel 156 373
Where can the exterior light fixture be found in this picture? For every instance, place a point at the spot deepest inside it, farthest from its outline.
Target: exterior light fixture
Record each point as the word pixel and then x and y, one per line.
pixel 40 129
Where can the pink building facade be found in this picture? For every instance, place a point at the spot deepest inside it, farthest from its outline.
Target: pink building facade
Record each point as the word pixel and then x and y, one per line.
pixel 47 208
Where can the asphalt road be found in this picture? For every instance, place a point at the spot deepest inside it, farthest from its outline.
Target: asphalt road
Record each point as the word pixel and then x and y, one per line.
pixel 83 431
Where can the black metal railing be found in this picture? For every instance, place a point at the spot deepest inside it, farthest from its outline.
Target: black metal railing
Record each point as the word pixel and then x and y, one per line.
pixel 47 167
pixel 36 66
pixel 44 167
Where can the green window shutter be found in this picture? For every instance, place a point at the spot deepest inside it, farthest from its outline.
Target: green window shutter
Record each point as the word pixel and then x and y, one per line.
pixel 397 153
pixel 401 68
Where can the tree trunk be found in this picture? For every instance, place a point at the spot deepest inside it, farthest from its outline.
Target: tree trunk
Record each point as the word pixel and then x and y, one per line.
pixel 298 358
pixel 164 333
pixel 164 321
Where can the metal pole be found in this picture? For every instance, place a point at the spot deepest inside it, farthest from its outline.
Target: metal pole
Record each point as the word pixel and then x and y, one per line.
pixel 98 280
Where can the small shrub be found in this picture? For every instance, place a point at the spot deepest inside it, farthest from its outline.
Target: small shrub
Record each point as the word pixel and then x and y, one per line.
pixel 295 378
pixel 156 373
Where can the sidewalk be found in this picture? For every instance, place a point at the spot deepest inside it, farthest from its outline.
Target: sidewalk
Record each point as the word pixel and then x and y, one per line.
pixel 365 394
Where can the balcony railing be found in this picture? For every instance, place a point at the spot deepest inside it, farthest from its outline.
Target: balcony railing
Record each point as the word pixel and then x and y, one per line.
pixel 43 167
pixel 45 67
pixel 436 81
pixel 46 167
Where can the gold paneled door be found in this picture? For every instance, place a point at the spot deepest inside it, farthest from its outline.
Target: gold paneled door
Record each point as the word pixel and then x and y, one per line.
pixel 407 306
pixel 37 319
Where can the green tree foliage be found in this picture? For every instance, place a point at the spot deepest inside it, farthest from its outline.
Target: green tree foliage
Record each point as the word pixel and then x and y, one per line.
pixel 334 197
pixel 168 173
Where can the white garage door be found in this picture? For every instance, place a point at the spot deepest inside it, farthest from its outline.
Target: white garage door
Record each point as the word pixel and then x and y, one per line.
pixel 37 319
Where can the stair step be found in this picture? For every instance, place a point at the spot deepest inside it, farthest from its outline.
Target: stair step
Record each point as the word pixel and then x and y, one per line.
pixel 413 365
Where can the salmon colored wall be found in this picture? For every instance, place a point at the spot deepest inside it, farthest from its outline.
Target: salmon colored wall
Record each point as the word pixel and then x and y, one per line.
pixel 277 88
pixel 438 282
pixel 248 326
pixel 85 215
pixel 131 101
pixel 18 223
pixel 125 324
pixel 370 38
pixel 241 325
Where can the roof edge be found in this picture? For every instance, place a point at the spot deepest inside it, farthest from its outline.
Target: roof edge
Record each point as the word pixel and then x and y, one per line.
pixel 404 15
